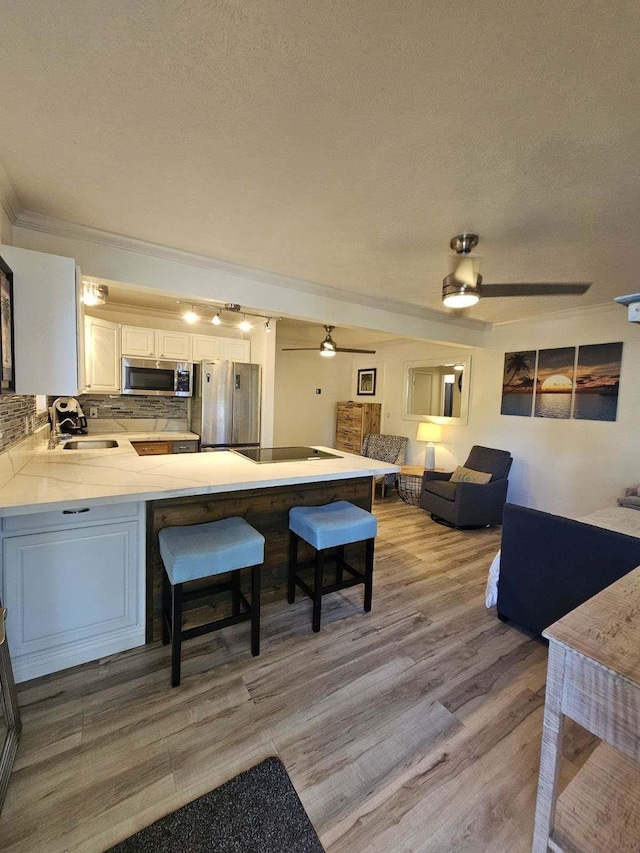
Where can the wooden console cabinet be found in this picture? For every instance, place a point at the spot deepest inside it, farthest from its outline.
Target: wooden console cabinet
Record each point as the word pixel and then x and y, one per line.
pixel 353 422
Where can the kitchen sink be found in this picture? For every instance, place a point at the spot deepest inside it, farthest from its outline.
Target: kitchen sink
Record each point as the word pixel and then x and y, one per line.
pixel 91 444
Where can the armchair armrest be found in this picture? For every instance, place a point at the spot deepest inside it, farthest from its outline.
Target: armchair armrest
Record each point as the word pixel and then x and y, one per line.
pixel 436 475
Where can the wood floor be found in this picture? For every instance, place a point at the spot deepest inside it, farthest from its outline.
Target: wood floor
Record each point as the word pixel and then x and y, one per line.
pixel 413 728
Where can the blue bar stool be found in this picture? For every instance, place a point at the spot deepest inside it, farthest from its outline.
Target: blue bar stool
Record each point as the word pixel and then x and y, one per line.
pixel 327 527
pixel 197 551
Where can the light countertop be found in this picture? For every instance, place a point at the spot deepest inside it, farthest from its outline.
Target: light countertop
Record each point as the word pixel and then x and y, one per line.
pixel 35 479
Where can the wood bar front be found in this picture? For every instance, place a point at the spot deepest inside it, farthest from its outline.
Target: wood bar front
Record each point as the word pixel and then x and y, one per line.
pixel 265 509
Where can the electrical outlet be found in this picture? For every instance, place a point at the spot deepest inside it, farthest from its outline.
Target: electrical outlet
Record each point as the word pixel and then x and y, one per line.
pixel 318 390
pixel 93 411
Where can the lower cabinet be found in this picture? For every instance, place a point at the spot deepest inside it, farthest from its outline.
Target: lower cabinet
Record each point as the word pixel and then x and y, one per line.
pixel 74 594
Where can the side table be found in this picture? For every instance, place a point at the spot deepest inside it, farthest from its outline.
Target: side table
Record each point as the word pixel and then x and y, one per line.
pixel 409 483
pixel 594 678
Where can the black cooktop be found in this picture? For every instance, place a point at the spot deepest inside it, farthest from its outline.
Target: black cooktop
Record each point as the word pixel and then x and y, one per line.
pixel 261 455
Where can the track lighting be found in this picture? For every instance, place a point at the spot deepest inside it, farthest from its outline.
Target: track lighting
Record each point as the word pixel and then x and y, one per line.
pixel 216 319
pixel 190 316
pixel 267 327
pixel 245 325
pixel 94 294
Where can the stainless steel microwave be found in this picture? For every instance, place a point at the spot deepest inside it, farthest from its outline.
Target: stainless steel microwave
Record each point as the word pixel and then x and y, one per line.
pixel 147 377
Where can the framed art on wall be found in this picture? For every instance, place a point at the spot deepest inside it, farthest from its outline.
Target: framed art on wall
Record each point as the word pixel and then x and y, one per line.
pixel 367 382
pixel 7 367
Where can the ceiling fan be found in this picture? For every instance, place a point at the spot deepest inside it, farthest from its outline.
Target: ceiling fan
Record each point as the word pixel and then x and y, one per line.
pixel 328 347
pixel 464 287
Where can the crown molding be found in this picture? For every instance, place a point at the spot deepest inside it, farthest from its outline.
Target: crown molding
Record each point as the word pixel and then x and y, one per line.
pixel 8 197
pixel 63 228
pixel 565 314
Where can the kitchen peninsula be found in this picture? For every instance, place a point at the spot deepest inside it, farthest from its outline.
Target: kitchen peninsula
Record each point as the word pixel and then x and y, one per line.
pixel 79 531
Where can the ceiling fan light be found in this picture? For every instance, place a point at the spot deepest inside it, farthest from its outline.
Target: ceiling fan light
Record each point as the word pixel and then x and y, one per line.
pixel 328 347
pixel 456 294
pixel 327 353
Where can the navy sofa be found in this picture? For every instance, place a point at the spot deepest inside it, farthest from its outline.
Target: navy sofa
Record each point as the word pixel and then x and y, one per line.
pixel 549 565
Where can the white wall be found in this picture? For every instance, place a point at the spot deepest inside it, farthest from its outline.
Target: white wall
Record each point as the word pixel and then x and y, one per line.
pixel 569 467
pixel 6 228
pixel 566 466
pixel 301 415
pixel 263 352
pixel 390 361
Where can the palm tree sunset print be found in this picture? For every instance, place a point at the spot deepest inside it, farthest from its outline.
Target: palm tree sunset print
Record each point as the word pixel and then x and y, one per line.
pixel 518 383
pixel 598 382
pixel 553 383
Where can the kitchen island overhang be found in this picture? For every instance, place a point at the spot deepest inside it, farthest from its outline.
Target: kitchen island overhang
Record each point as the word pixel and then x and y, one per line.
pixel 40 480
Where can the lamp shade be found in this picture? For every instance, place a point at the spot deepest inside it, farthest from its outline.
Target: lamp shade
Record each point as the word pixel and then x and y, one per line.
pixel 429 432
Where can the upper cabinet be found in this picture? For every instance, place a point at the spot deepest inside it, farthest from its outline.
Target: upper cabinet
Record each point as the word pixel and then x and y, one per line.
pixel 173 345
pixel 234 349
pixel 46 333
pixel 102 356
pixel 153 343
pixel 205 348
pixel 138 342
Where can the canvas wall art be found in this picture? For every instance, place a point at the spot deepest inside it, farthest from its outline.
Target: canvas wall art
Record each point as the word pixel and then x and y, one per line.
pixel 581 383
pixel 518 381
pixel 554 383
pixel 597 382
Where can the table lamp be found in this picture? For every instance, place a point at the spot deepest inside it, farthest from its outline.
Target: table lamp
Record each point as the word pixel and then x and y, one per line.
pixel 430 433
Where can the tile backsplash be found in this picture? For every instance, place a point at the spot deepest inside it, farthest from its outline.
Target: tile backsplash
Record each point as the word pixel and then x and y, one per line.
pixel 18 419
pixel 129 406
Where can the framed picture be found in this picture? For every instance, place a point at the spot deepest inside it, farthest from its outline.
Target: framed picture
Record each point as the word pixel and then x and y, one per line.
pixel 7 368
pixel 367 382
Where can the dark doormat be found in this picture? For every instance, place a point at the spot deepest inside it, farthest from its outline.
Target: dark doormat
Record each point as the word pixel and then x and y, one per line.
pixel 257 812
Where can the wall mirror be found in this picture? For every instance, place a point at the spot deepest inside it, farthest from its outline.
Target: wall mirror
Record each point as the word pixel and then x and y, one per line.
pixel 437 390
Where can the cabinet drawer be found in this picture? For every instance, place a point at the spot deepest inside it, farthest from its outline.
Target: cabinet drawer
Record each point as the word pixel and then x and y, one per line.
pixel 185 446
pixel 152 448
pixel 75 516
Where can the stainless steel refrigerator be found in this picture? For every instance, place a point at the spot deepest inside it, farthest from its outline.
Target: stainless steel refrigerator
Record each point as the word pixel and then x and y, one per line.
pixel 225 408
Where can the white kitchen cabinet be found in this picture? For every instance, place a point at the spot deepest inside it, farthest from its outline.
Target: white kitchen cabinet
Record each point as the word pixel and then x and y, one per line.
pixel 235 349
pixel 138 342
pixel 74 594
pixel 102 356
pixel 175 346
pixel 46 333
pixel 205 348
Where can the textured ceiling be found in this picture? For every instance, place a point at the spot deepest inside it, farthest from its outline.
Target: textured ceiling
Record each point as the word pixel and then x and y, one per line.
pixel 340 142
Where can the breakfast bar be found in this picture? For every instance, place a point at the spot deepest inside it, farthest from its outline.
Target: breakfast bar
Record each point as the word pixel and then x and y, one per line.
pixel 81 566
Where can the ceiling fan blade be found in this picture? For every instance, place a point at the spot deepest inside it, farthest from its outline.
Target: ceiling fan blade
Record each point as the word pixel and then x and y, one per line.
pixel 348 349
pixel 299 349
pixel 546 289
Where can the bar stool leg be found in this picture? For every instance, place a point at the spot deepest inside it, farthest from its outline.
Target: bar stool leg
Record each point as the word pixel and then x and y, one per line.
pixel 368 571
pixel 255 610
pixel 317 590
pixel 176 633
pixel 293 562
pixel 339 563
pixel 166 607
pixel 235 592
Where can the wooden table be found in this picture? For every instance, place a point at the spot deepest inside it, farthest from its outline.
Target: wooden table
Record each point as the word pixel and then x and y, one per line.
pixel 594 678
